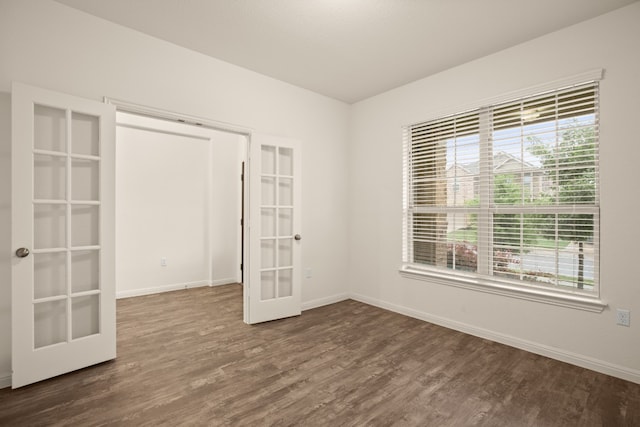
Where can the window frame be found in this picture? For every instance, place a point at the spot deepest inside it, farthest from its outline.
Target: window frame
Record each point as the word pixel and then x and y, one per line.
pixel 482 280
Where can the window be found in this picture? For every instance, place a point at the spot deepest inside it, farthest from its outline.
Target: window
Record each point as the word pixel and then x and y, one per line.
pixel 507 193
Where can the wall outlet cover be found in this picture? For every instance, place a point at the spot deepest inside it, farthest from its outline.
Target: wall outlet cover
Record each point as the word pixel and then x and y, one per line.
pixel 623 317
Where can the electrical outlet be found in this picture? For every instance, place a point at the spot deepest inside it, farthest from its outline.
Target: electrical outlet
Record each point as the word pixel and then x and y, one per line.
pixel 163 262
pixel 623 317
pixel 308 273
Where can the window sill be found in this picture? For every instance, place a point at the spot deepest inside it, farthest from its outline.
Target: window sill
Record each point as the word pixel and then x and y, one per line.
pixel 579 302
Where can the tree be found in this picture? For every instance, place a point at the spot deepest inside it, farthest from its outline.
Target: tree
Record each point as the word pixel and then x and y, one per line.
pixel 507 228
pixel 570 165
pixel 472 219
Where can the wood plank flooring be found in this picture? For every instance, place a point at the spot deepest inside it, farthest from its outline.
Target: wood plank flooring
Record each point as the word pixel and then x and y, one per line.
pixel 186 358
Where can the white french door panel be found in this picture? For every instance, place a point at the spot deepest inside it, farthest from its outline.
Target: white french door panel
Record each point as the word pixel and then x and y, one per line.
pixel 63 232
pixel 274 288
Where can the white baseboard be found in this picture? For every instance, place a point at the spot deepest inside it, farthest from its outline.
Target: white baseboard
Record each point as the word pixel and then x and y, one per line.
pixel 532 347
pixel 308 305
pixel 158 289
pixel 227 281
pixel 5 380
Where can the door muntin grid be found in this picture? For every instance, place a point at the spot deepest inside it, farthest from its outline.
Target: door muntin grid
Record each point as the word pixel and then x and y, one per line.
pixel 276 220
pixel 66 216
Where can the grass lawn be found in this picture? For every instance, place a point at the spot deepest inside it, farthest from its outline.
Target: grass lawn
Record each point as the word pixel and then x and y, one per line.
pixel 470 235
pixel 551 244
pixel 572 281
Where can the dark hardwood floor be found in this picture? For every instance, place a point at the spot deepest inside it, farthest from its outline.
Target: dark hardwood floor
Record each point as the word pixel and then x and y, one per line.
pixel 186 358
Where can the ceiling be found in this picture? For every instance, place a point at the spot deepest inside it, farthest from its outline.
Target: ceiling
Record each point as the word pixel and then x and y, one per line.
pixel 346 49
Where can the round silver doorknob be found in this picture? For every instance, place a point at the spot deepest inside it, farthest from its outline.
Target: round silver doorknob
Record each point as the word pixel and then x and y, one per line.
pixel 297 237
pixel 22 252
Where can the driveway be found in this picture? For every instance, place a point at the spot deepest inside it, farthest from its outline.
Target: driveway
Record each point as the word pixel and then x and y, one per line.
pixel 543 260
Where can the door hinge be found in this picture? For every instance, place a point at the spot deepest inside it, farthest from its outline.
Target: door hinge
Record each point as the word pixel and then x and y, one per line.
pixel 241 222
pixel 241 267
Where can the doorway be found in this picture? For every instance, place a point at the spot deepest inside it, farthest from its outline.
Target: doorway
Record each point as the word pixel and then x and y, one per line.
pixel 178 205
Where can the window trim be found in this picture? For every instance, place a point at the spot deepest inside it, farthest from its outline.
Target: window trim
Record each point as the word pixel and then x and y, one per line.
pixel 557 297
pixel 529 293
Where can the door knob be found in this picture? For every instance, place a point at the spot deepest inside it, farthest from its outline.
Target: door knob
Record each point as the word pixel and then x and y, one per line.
pixel 297 237
pixel 22 252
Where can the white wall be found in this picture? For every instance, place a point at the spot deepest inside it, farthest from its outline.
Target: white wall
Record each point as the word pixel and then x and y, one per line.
pixel 177 198
pixel 161 211
pixel 46 44
pixel 375 166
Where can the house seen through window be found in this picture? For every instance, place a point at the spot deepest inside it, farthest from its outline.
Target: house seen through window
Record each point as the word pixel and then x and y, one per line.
pixel 508 192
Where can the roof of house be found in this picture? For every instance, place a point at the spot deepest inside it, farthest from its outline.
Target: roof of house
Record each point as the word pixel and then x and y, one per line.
pixel 500 160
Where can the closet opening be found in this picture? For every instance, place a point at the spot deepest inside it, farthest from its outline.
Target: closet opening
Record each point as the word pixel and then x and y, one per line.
pixel 179 203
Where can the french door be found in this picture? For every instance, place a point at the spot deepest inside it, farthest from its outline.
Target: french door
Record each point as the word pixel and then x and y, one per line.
pixel 274 229
pixel 63 286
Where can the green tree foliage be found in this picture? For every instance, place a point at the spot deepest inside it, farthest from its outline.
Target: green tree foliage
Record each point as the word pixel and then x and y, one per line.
pixel 570 165
pixel 508 229
pixel 473 218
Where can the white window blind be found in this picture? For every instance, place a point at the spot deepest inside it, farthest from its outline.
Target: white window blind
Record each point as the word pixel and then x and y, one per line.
pixel 508 192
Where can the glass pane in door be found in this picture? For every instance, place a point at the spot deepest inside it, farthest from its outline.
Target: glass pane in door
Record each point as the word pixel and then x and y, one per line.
pixel 285 222
pixel 85 270
pixel 85 225
pixel 49 274
pixel 285 192
pixel 49 129
pixel 85 175
pixel 268 223
pixel 285 252
pixel 49 226
pixel 268 191
pixel 50 322
pixel 85 312
pixel 49 177
pixel 85 130
pixel 285 161
pixel 285 282
pixel 268 285
pixel 268 253
pixel 268 160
